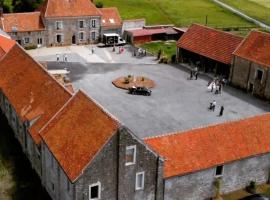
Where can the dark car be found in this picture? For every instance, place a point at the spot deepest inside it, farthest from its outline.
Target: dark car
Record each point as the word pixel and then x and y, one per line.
pixel 139 91
pixel 256 197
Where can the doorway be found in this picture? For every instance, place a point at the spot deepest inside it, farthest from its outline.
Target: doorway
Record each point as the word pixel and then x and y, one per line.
pixel 73 39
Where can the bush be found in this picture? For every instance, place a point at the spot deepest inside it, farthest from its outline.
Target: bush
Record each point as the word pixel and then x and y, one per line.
pixel 99 4
pixel 218 185
pixel 226 29
pixel 142 79
pixel 126 80
pixel 164 59
pixel 252 187
pixel 31 46
pixel 129 76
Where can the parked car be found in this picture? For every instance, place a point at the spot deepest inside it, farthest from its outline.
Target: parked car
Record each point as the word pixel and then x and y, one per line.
pixel 255 197
pixel 139 90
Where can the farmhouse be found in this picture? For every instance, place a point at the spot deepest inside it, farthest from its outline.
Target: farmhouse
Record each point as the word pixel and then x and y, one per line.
pixel 59 22
pixel 81 151
pixel 251 64
pixel 209 49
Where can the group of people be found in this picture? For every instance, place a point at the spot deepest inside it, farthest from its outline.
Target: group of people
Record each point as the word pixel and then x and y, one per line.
pixel 140 52
pixel 194 73
pixel 212 107
pixel 64 58
pixel 216 85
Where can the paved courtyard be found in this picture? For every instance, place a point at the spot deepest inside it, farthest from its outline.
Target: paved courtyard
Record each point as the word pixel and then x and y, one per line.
pixel 176 103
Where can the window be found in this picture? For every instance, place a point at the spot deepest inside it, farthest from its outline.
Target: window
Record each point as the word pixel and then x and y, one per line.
pixel 219 171
pixel 93 23
pixel 259 74
pixel 81 24
pixel 58 25
pixel 130 155
pixel 59 38
pixel 94 191
pixel 39 40
pixel 93 35
pixel 81 35
pixel 139 181
pixel 26 40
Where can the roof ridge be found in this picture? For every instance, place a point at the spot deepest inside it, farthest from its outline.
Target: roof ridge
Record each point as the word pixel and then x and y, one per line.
pixel 20 13
pixel 114 118
pixel 205 126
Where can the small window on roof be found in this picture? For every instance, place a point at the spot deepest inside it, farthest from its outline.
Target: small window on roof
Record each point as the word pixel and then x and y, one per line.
pixel 111 21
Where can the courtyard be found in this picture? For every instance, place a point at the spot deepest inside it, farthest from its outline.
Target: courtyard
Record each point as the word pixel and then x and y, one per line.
pixel 176 103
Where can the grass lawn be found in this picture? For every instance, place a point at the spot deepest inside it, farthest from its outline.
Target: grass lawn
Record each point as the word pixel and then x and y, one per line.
pixel 256 9
pixel 262 189
pixel 178 12
pixel 167 48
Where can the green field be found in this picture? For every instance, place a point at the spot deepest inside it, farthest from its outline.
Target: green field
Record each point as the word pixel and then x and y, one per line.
pixel 178 12
pixel 167 48
pixel 259 9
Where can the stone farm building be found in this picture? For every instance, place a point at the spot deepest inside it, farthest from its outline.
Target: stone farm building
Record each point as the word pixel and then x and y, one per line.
pixel 61 22
pixel 209 49
pixel 251 64
pixel 80 151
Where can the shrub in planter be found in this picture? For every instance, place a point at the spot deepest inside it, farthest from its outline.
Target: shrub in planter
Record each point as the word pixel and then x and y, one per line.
pixel 142 79
pixel 31 46
pixel 252 187
pixel 129 76
pixel 126 80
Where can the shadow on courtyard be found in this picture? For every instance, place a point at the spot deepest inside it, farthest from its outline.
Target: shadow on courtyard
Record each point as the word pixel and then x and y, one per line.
pixel 25 182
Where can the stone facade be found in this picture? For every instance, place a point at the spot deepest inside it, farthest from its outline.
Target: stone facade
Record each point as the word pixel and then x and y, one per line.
pixel 72 30
pixel 250 76
pixel 236 175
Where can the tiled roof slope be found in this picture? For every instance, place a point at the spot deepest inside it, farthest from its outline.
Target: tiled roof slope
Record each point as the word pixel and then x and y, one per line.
pixel 256 48
pixel 30 89
pixel 68 8
pixel 30 21
pixel 77 133
pixel 110 18
pixel 204 148
pixel 210 43
pixel 5 45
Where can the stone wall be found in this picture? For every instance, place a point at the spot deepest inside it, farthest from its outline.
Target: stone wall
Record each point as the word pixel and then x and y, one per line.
pixel 33 37
pixel 71 30
pixel 236 175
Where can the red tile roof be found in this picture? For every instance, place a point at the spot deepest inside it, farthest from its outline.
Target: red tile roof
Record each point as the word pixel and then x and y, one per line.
pixel 68 8
pixel 21 22
pixel 30 89
pixel 204 148
pixel 5 45
pixel 110 18
pixel 145 32
pixel 256 48
pixel 210 43
pixel 77 133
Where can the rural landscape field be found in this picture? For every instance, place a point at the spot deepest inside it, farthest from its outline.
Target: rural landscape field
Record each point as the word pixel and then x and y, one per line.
pixel 178 12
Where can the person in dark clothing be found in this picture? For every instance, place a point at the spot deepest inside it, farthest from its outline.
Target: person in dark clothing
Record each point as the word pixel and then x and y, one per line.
pixel 191 75
pixel 221 111
pixel 196 75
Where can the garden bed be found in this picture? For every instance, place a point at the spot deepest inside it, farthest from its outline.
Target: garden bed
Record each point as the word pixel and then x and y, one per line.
pixel 126 82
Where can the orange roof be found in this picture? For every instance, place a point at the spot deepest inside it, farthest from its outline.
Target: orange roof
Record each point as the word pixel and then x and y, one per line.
pixel 30 89
pixel 208 42
pixel 68 8
pixel 77 133
pixel 256 48
pixel 22 22
pixel 204 148
pixel 110 17
pixel 6 43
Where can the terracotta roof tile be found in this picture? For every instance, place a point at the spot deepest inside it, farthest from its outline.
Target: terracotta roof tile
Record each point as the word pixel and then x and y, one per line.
pixel 144 32
pixel 77 133
pixel 30 89
pixel 210 43
pixel 21 22
pixel 110 18
pixel 204 148
pixel 256 48
pixel 6 43
pixel 68 8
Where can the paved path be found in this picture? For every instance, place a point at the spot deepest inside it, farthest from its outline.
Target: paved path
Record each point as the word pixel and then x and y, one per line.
pixel 241 14
pixel 83 54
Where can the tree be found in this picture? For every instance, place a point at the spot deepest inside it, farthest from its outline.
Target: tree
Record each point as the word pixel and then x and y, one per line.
pixel 99 4
pixel 25 5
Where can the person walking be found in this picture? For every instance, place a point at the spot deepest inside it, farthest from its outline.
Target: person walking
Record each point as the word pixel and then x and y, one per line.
pixel 221 111
pixel 196 75
pixel 57 57
pixel 214 103
pixel 191 74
